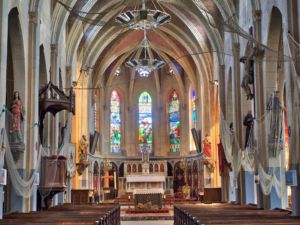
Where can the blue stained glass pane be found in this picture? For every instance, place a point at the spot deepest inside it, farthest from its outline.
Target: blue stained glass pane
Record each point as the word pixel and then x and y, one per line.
pixel 174 122
pixel 145 121
pixel 115 123
pixel 194 113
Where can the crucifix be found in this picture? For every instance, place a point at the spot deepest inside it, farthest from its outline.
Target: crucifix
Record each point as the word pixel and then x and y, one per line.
pixel 106 177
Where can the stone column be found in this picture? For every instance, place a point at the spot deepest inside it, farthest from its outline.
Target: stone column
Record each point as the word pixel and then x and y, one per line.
pixel 53 122
pixel 3 62
pixel 184 126
pixel 53 79
pixel 101 120
pixel 262 201
pixel 222 96
pixel 237 117
pixel 294 142
pixel 32 102
pixel 69 178
pixel 68 77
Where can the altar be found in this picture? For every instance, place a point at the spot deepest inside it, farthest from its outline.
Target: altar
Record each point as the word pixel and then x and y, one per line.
pixel 145 175
pixel 139 183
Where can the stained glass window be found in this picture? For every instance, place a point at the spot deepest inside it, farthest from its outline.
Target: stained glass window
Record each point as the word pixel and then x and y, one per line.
pixel 193 117
pixel 115 123
pixel 174 122
pixel 194 113
pixel 145 121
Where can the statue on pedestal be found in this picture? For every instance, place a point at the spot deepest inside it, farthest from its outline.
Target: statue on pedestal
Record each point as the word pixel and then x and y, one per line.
pixel 248 123
pixel 83 147
pixel 16 117
pixel 16 134
pixel 248 78
pixel 83 150
pixel 207 146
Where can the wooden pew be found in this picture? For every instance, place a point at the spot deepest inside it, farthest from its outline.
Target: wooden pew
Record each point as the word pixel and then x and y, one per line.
pixel 68 215
pixel 217 214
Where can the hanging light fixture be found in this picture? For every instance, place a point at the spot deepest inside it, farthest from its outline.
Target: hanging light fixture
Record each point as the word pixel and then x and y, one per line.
pixel 145 65
pixel 143 18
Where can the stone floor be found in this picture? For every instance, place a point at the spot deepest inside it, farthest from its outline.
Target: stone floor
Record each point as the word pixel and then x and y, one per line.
pixel 148 222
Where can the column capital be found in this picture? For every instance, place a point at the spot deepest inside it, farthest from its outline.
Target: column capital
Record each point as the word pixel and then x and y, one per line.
pixel 257 15
pixel 33 17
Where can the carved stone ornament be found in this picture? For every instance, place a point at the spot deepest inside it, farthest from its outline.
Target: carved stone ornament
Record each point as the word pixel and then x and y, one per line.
pixel 82 166
pixel 83 150
pixel 209 165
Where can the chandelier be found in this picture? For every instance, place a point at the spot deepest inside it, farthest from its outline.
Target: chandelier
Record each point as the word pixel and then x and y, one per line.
pixel 143 18
pixel 144 65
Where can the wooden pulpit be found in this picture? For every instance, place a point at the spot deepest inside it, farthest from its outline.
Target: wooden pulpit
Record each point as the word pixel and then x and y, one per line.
pixel 53 179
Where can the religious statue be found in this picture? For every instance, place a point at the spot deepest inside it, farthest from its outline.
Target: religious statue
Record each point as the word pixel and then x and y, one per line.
pixel 207 146
pixel 231 128
pixel 17 111
pixel 248 77
pixel 62 137
pixel 83 147
pixel 248 123
pixel 83 150
pixel 275 137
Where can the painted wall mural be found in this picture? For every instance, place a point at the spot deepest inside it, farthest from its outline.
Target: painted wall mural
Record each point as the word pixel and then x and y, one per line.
pixel 145 121
pixel 115 123
pixel 174 122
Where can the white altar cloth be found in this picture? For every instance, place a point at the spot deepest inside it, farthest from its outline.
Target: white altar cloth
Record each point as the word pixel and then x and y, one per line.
pixel 149 191
pixel 141 178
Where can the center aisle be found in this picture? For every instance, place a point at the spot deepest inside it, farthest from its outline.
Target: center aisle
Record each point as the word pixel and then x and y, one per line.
pixel 147 222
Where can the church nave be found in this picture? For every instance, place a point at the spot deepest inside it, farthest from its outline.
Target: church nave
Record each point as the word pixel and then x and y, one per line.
pixel 117 111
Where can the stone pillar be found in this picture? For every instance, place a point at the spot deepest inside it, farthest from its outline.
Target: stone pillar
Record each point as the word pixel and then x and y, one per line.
pixel 3 61
pixel 222 96
pixel 262 200
pixel 294 142
pixel 68 196
pixel 101 118
pixel 184 126
pixel 32 102
pixel 53 120
pixel 68 77
pixel 237 116
pixel 69 190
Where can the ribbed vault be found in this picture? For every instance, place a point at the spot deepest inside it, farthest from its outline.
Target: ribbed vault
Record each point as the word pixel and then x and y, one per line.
pixel 190 40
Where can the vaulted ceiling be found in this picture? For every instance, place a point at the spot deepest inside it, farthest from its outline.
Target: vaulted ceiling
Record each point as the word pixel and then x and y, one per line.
pixel 189 40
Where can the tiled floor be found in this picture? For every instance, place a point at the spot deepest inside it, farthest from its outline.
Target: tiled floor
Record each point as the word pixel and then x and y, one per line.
pixel 149 222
